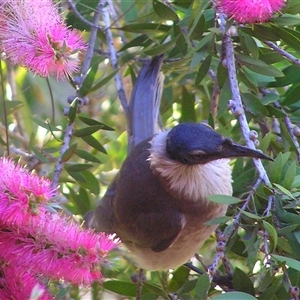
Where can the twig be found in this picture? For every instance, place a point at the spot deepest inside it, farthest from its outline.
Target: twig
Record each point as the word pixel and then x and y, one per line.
pixel 4 109
pixel 237 108
pixel 11 79
pixel 282 52
pixel 80 16
pixel 214 104
pixel 289 127
pixel 114 58
pixel 85 68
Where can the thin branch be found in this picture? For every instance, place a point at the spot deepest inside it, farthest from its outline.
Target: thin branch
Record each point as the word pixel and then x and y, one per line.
pixel 114 58
pixel 52 100
pixel 282 52
pixel 72 6
pixel 237 105
pixel 86 65
pixel 4 109
pixel 289 126
pixel 214 104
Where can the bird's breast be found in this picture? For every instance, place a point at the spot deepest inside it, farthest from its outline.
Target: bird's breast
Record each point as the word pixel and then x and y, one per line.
pixel 188 242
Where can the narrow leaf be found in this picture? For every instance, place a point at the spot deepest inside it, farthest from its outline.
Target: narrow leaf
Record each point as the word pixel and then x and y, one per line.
pixel 203 69
pixel 77 167
pixel 87 156
pixel 164 11
pixel 224 199
pixel 69 153
pixel 87 130
pixel 94 143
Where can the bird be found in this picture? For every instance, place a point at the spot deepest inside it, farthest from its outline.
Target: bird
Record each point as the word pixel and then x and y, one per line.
pixel 157 204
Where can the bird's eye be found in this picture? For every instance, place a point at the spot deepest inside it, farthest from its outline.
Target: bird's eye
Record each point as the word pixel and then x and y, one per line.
pixel 197 153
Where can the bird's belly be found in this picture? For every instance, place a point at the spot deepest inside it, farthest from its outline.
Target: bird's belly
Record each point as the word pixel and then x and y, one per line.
pixel 189 241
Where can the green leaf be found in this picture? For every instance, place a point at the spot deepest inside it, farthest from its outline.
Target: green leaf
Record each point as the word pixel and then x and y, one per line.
pixel 254 105
pixel 289 176
pixel 292 95
pixel 89 79
pixel 197 27
pixel 161 49
pixel 272 234
pixel 224 199
pixel 291 75
pixel 234 296
pixel 248 60
pixel 202 287
pixel 179 277
pixel 288 36
pixel 292 263
pixel 218 221
pixel 77 167
pixel 181 42
pixel 140 41
pixel 276 169
pixel 203 69
pixel 87 156
pixel 87 130
pixel 188 113
pixel 284 190
pixel 91 183
pixel 146 28
pixel 262 32
pixel 242 282
pixel 69 153
pixel 164 11
pixel 94 143
pixel 40 156
pixel 73 110
pixel 250 215
pixel 156 290
pixel 77 176
pixel 92 122
pixel 121 287
pixel 268 71
pixel 103 81
pixel 45 125
pixel 287 20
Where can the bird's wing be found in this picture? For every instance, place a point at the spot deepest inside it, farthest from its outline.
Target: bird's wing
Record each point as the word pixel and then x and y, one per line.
pixel 143 208
pixel 102 218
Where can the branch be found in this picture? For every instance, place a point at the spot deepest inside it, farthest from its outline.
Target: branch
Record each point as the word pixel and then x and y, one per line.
pixel 282 52
pixel 114 58
pixel 236 105
pixel 72 7
pixel 86 65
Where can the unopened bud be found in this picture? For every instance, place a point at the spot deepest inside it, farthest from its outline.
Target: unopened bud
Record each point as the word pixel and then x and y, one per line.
pixel 224 62
pixel 296 131
pixel 232 31
pixel 66 111
pixel 253 135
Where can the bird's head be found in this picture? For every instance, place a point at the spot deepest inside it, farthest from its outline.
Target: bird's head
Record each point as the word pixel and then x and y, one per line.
pixel 194 143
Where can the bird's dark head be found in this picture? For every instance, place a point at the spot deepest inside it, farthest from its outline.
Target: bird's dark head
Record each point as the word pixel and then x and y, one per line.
pixel 194 143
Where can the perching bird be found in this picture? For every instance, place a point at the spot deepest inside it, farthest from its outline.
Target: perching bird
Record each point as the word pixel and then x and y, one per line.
pixel 158 204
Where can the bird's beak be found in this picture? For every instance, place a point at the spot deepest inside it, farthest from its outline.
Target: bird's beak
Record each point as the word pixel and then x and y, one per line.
pixel 228 149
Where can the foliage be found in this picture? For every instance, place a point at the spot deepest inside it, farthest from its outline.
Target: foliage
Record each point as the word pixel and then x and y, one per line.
pixel 263 228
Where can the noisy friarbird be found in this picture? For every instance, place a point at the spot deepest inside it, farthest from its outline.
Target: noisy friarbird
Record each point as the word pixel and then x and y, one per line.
pixel 158 204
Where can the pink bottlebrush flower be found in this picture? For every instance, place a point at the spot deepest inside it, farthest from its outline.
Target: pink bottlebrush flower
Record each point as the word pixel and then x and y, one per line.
pixel 250 11
pixel 22 194
pixel 48 244
pixel 15 284
pixel 33 35
pixel 57 248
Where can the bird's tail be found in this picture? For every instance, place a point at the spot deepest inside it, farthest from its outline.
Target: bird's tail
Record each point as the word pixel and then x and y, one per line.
pixel 145 102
